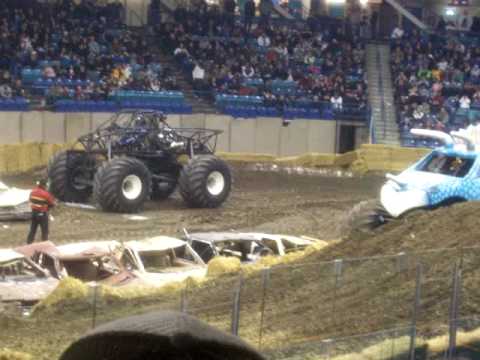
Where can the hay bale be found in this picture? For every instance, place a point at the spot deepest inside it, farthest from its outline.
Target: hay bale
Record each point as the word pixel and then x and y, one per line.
pixel 310 160
pixel 345 160
pixel 3 160
pixel 6 354
pixel 68 289
pixel 12 159
pixel 223 265
pixel 246 157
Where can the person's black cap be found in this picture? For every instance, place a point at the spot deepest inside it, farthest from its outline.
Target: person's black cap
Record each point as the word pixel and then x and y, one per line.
pixel 42 183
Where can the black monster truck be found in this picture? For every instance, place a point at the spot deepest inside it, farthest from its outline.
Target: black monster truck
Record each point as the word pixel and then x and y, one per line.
pixel 135 156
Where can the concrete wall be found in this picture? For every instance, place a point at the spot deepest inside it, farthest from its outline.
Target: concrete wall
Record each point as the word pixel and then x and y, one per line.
pixel 258 135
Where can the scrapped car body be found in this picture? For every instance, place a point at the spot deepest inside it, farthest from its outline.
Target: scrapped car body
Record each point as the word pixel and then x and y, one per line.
pixel 95 261
pixel 161 260
pixel 14 204
pixel 21 279
pixel 246 246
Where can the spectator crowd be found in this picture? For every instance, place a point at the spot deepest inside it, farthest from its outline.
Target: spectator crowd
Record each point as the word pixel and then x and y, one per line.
pixel 437 80
pixel 283 63
pixel 80 50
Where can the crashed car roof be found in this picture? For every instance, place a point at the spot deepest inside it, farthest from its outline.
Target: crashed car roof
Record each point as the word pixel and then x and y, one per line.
pixel 86 250
pixel 9 255
pixel 47 247
pixel 238 236
pixel 158 243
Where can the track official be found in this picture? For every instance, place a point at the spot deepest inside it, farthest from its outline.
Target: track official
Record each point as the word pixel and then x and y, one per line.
pixel 41 201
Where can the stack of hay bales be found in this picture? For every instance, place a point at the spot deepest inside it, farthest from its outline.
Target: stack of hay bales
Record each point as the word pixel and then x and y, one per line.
pixel 6 354
pixel 21 158
pixel 68 289
pixel 223 265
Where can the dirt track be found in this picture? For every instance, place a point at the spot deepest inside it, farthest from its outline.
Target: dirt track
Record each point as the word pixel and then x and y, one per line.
pixel 260 201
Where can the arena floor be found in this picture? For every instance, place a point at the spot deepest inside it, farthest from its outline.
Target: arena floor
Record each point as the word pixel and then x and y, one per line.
pixel 274 202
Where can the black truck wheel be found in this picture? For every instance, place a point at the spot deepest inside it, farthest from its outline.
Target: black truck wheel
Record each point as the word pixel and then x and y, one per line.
pixel 70 176
pixel 162 190
pixel 366 216
pixel 205 182
pixel 122 185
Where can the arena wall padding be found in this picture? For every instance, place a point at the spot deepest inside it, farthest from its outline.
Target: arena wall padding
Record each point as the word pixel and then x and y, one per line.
pixel 321 136
pixel 174 121
pixel 193 121
pixel 32 126
pixel 54 128
pixel 100 118
pixel 10 133
pixel 244 139
pixel 294 139
pixel 77 124
pixel 267 135
pixel 219 123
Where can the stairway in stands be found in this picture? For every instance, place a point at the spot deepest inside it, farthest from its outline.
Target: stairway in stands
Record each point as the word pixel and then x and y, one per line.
pixel 200 104
pixel 380 89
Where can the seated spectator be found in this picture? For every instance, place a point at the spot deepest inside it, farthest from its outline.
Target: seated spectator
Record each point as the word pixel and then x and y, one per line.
pixel 337 102
pixel 5 91
pixel 49 72
pixel 263 41
pixel 198 76
pixel 397 33
pixel 464 102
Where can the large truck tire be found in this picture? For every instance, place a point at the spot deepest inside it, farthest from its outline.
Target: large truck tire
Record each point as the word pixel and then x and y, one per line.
pixel 365 217
pixel 68 176
pixel 205 182
pixel 122 185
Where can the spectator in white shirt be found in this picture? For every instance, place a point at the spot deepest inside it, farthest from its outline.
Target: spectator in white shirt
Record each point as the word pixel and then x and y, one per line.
pixel 337 102
pixel 198 75
pixel 248 71
pixel 464 102
pixel 263 41
pixel 397 33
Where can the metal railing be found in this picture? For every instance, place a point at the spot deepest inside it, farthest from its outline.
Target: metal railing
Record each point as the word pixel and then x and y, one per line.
pixel 353 306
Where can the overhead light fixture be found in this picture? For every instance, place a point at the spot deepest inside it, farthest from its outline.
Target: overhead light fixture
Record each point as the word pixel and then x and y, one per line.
pixel 336 2
pixel 363 3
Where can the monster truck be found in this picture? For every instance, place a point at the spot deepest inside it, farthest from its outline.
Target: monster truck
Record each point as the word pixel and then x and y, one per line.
pixel 447 175
pixel 136 156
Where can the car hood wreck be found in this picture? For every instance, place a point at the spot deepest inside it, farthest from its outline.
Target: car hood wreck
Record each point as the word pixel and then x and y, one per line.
pixel 246 246
pixel 86 261
pixel 21 279
pixel 160 260
pixel 14 203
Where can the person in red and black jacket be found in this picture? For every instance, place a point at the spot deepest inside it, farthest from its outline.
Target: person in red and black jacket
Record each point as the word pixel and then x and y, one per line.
pixel 41 201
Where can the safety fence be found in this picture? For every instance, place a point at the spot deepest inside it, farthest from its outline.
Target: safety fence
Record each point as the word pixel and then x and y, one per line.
pixel 411 305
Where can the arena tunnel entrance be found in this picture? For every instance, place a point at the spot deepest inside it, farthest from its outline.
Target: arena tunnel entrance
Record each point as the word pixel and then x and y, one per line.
pixel 346 138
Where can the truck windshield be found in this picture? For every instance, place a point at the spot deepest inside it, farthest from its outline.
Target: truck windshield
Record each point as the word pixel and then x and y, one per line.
pixel 440 163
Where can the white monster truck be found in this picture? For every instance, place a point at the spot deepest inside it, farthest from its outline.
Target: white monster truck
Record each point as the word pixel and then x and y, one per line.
pixel 448 174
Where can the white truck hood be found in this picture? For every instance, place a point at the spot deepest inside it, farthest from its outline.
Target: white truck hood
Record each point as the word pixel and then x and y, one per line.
pixel 398 199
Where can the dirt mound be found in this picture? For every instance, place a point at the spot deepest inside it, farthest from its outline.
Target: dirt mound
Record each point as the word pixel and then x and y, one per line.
pixel 420 230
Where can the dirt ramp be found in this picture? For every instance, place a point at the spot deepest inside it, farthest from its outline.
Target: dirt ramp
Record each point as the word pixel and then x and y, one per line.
pixel 420 230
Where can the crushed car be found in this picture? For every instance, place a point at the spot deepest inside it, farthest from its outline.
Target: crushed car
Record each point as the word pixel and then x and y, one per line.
pixel 14 203
pixel 246 246
pixel 23 280
pixel 162 259
pixel 87 261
